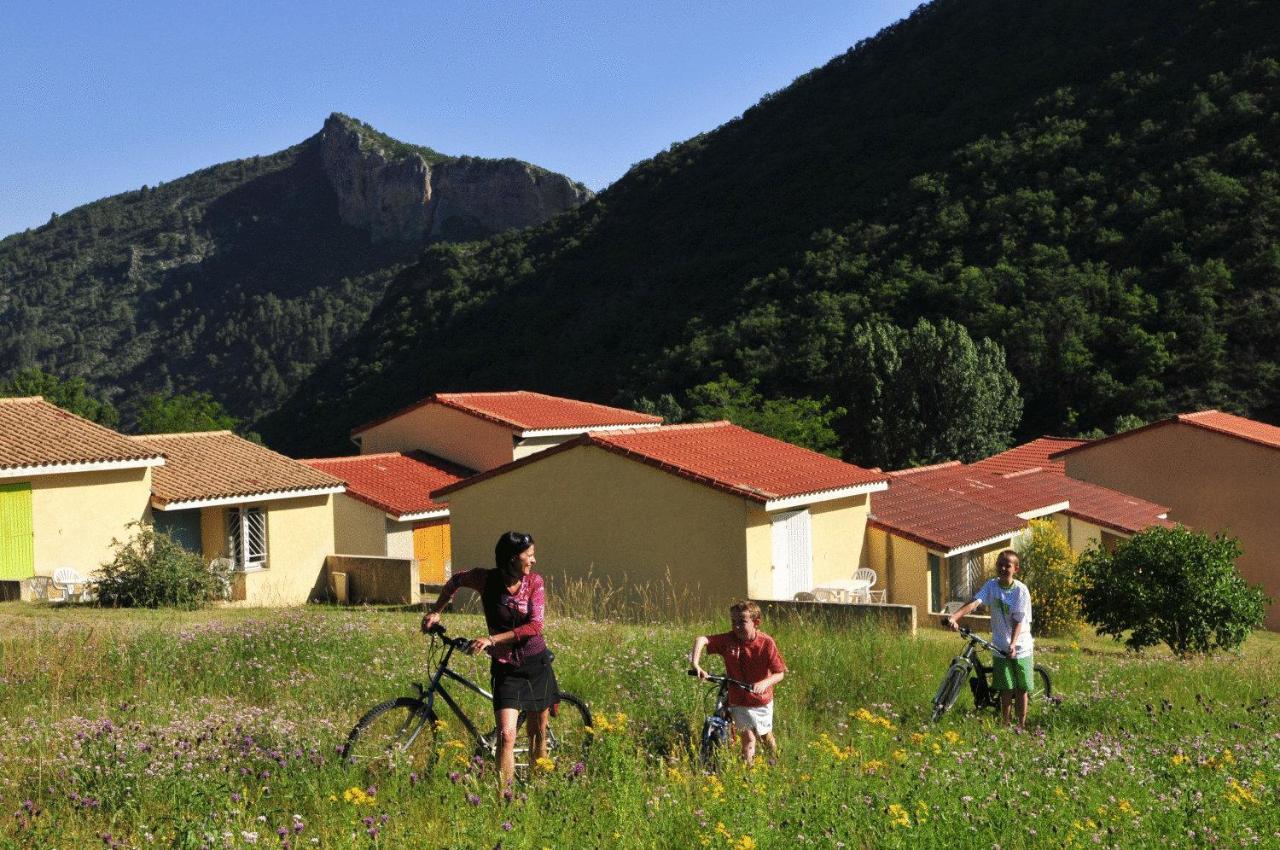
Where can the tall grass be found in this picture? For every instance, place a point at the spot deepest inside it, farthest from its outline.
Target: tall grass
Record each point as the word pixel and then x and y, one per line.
pixel 218 729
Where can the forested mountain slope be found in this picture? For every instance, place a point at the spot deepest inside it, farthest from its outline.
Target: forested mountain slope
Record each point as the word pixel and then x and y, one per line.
pixel 1094 184
pixel 240 278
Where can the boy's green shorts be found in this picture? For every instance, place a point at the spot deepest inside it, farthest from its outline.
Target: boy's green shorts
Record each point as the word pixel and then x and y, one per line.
pixel 1012 674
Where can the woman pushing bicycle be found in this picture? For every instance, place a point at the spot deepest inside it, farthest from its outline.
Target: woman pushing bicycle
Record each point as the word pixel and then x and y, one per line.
pixel 520 667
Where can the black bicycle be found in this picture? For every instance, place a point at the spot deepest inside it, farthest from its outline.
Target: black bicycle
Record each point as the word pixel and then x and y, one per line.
pixel 716 728
pixel 968 663
pixel 405 733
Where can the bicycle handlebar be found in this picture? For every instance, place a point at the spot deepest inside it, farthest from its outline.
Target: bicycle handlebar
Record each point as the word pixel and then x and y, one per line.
pixel 718 679
pixel 968 634
pixel 460 643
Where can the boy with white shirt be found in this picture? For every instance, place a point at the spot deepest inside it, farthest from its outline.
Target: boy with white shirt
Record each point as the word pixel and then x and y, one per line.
pixel 1009 602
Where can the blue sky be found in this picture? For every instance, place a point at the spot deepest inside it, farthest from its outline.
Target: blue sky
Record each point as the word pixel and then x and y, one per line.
pixel 101 97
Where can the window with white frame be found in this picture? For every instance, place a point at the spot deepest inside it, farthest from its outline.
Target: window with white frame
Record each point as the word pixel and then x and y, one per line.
pixel 247 538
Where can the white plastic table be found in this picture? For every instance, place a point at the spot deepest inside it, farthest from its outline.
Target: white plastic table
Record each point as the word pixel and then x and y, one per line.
pixel 846 589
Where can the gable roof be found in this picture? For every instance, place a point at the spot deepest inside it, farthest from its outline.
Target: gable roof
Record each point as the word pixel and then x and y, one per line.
pixel 725 457
pixel 938 519
pixel 39 438
pixel 217 467
pixel 1028 455
pixel 529 413
pixel 396 483
pixel 1037 491
pixel 1228 424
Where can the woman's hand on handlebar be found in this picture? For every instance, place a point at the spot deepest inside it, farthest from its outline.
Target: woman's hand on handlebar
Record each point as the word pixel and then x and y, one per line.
pixel 480 644
pixel 429 619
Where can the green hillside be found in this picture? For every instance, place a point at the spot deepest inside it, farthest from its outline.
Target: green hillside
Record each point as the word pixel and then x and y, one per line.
pixel 1091 184
pixel 236 280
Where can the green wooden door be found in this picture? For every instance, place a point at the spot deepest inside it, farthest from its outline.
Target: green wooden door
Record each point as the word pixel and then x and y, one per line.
pixel 17 559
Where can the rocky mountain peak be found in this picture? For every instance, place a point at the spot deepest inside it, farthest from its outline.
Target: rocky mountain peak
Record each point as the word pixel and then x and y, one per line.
pixel 408 193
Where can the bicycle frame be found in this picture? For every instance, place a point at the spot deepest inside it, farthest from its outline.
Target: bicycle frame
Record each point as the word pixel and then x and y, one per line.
pixel 428 695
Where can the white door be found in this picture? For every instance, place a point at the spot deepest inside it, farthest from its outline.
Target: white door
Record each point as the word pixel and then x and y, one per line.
pixel 792 554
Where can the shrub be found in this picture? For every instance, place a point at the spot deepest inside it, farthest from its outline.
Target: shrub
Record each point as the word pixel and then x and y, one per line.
pixel 1049 571
pixel 152 570
pixel 1172 585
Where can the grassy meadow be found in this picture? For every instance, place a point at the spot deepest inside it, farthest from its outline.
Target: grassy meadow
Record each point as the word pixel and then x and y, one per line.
pixel 218 729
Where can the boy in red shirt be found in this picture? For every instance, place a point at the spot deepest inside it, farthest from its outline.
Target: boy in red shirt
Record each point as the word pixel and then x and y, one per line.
pixel 750 655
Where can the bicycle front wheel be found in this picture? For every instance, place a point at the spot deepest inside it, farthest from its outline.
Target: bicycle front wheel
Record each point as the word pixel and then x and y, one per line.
pixel 715 734
pixel 398 735
pixel 948 691
pixel 1041 687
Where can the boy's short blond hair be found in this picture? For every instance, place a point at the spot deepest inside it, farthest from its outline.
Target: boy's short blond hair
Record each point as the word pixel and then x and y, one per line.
pixel 745 606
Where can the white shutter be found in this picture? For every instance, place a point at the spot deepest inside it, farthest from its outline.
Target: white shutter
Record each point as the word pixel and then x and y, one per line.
pixel 792 554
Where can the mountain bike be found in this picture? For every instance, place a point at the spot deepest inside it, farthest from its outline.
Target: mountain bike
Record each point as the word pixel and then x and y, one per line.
pixel 715 729
pixel 405 733
pixel 984 696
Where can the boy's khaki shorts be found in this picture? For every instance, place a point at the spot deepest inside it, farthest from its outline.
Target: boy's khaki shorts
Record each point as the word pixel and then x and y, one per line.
pixel 757 718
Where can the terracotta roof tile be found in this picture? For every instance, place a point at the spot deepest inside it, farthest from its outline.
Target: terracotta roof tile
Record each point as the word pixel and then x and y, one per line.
pixel 940 520
pixel 1097 504
pixel 35 433
pixel 528 411
pixel 397 483
pixel 719 455
pixel 1028 455
pixel 220 465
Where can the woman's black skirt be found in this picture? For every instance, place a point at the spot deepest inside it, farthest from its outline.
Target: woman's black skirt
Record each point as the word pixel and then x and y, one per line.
pixel 531 686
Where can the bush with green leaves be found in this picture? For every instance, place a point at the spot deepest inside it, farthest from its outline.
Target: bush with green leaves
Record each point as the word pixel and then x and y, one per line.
pixel 1170 585
pixel 1049 571
pixel 152 570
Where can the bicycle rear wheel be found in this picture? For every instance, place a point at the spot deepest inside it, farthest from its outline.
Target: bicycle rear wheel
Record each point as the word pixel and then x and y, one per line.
pixel 567 737
pixel 398 735
pixel 948 691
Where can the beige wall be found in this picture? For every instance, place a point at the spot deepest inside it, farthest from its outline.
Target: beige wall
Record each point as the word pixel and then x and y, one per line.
pixel 300 535
pixel 399 539
pixel 358 528
pixel 75 516
pixel 533 445
pixel 445 432
pixel 836 527
pixel 1211 482
pixel 593 512
pixel 1080 534
pixel 903 566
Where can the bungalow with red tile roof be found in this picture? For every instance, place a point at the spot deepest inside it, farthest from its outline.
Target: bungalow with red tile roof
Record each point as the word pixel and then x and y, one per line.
pixel 721 511
pixel 271 516
pixel 1218 472
pixel 485 430
pixel 387 509
pixel 936 532
pixel 68 487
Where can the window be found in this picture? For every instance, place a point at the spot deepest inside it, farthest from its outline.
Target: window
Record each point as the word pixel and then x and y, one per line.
pixel 966 575
pixel 247 538
pixel 935 582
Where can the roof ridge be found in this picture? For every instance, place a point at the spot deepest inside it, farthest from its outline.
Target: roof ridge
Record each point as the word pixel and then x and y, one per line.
pixel 145 437
pixel 1028 471
pixel 346 458
pixel 23 399
pixel 1183 417
pixel 662 429
pixel 946 464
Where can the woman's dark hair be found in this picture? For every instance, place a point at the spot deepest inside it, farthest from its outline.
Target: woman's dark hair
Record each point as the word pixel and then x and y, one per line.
pixel 509 545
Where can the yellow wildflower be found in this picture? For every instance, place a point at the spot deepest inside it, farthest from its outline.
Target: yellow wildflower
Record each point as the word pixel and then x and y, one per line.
pixel 951 736
pixel 900 755
pixel 745 842
pixel 1178 759
pixel 898 816
pixel 544 764
pixel 873 766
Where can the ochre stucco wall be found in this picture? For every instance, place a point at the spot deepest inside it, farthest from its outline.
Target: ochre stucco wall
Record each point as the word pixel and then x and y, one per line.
pixel 593 512
pixel 300 535
pixel 75 516
pixel 358 528
pixel 1211 482
pixel 451 434
pixel 836 532
pixel 903 566
pixel 1080 533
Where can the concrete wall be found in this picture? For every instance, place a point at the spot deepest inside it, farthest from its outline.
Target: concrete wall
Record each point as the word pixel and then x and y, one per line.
pixel 376 581
pixel 300 535
pixel 358 528
pixel 75 516
pixel 444 432
pixel 900 617
pixel 399 538
pixel 595 513
pixel 1211 482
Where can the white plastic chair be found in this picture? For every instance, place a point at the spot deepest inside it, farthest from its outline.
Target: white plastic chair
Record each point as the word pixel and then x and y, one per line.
pixel 73 586
pixel 822 594
pixel 869 576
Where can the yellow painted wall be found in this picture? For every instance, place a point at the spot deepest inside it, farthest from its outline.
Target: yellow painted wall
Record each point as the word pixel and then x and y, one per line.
pixel 76 515
pixel 836 527
pixel 903 566
pixel 444 432
pixel 358 528
pixel 300 534
pixel 593 512
pixel 399 538
pixel 1211 482
pixel 1079 533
